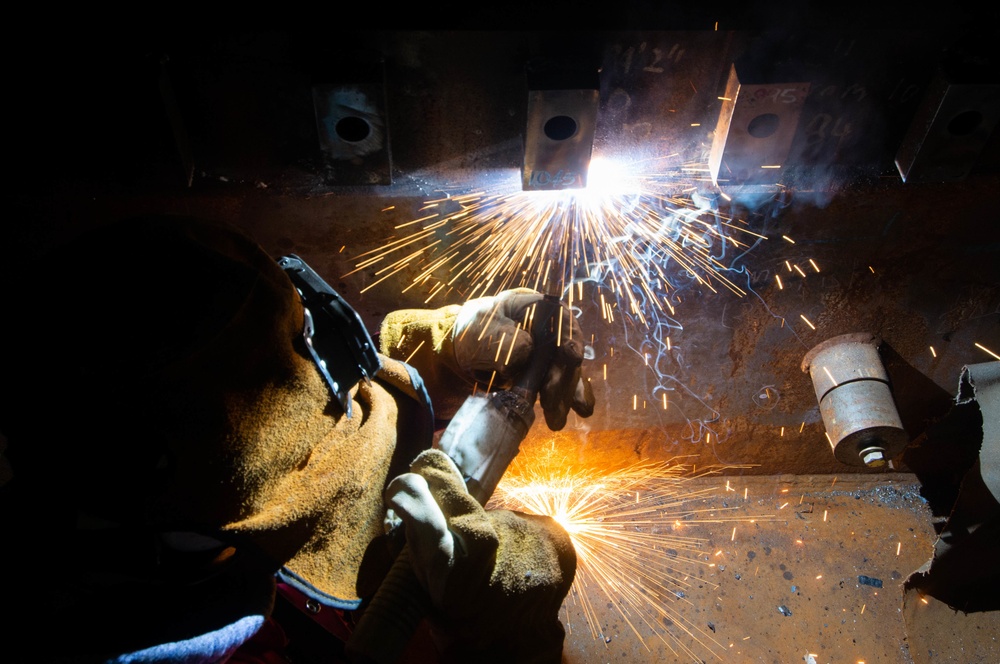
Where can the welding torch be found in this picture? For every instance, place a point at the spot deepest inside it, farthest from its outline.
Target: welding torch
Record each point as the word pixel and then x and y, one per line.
pixel 486 432
pixel 482 439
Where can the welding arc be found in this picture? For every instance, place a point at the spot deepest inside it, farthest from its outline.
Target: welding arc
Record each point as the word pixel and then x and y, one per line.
pixel 400 603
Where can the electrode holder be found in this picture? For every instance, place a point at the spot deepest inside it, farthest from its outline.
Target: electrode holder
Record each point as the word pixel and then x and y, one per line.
pixel 855 400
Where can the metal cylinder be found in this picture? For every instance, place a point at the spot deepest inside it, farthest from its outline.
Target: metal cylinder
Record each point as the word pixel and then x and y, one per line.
pixel 855 401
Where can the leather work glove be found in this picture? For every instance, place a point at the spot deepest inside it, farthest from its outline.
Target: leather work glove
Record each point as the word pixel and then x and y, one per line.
pixel 496 578
pixel 486 341
pixel 496 338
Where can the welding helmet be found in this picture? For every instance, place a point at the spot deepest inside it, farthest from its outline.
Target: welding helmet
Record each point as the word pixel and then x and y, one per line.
pixel 169 424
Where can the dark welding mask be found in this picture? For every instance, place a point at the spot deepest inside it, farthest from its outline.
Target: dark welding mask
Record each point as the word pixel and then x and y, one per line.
pixel 334 334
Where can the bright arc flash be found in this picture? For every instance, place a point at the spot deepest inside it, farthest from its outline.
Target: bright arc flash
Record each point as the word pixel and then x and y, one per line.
pixel 635 531
pixel 636 234
pixel 645 235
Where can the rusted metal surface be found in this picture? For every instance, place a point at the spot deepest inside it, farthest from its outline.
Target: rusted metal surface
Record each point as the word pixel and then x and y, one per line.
pixel 824 575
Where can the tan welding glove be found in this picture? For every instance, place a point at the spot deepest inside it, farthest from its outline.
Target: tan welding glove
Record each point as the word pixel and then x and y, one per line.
pixel 496 578
pixel 486 341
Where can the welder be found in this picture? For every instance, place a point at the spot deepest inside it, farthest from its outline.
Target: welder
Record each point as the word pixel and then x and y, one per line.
pixel 214 461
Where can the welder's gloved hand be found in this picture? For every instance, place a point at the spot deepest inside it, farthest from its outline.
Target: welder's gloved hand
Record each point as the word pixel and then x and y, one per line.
pixel 496 578
pixel 413 501
pixel 498 338
pixel 485 341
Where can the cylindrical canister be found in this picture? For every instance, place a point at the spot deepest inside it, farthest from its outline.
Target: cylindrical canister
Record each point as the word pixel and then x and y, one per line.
pixel 855 400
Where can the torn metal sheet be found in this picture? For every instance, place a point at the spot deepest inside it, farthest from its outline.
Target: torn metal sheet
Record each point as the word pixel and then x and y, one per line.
pixel 980 383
